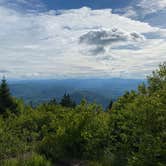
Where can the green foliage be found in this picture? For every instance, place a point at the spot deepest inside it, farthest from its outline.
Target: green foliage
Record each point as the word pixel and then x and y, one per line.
pixel 157 80
pixel 53 102
pixel 6 100
pixel 73 134
pixel 66 101
pixel 138 123
pixel 32 160
pixel 133 133
pixel 110 105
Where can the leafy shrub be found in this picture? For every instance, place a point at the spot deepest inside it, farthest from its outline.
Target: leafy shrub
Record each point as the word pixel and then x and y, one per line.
pixel 34 160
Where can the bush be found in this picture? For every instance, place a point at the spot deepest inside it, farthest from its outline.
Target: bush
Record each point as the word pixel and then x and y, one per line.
pixel 34 160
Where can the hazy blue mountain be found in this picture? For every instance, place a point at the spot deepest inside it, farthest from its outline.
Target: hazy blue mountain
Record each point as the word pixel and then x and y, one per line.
pixel 90 96
pixel 99 90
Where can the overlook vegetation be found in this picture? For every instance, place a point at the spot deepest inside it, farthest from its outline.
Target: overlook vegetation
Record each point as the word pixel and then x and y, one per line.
pixel 132 132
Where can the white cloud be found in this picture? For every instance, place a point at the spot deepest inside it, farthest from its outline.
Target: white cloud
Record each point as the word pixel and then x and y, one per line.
pixel 151 11
pixel 105 37
pixel 152 5
pixel 47 44
pixel 102 40
pixel 23 5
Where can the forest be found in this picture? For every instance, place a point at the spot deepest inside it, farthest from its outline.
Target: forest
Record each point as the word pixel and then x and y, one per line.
pixel 131 132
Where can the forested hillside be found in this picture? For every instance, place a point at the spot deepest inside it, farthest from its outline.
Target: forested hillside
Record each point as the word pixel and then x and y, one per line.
pixel 98 90
pixel 132 132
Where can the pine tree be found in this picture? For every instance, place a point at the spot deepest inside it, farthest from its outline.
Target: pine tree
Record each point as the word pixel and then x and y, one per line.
pixel 66 101
pixel 6 100
pixel 110 105
pixel 53 102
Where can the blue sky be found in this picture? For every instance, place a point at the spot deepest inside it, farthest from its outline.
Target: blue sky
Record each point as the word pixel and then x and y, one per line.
pixel 94 4
pixel 81 38
pixel 72 4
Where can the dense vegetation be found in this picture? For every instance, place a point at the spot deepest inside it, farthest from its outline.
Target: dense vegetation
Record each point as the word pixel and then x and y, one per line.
pixel 132 132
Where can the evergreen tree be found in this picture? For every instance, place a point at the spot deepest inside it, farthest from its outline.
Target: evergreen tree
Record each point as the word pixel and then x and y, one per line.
pixel 110 105
pixel 6 100
pixel 66 101
pixel 52 102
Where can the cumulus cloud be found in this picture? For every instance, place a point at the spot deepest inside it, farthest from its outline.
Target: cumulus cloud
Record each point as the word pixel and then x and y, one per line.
pixel 102 39
pixel 47 44
pixel 106 37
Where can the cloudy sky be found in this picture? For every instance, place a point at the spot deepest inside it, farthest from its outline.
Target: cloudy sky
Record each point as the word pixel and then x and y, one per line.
pixel 81 38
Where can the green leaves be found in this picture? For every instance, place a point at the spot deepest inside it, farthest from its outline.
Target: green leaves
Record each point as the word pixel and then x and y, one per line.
pixel 133 133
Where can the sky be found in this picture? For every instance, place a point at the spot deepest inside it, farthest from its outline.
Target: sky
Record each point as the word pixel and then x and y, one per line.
pixel 81 38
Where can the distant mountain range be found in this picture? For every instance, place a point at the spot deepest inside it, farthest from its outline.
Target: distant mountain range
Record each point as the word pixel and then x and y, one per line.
pixel 100 91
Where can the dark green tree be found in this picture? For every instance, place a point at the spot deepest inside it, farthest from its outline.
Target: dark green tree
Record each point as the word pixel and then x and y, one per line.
pixel 6 100
pixel 53 102
pixel 66 101
pixel 110 105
